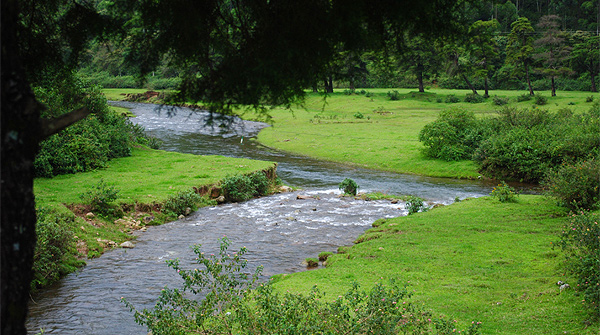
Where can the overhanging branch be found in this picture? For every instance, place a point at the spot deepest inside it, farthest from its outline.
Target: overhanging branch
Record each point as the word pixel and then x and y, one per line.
pixel 52 126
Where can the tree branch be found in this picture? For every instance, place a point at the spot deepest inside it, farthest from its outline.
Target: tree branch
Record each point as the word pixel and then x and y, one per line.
pixel 52 126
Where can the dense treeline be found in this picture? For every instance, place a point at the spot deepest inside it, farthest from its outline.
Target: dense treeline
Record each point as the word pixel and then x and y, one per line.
pixel 533 45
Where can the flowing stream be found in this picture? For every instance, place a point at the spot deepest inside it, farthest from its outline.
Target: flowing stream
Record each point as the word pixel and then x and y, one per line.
pixel 280 231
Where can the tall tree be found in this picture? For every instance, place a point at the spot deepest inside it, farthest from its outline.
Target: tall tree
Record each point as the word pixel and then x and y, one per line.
pixel 460 63
pixel 519 50
pixel 417 54
pixel 586 55
pixel 553 51
pixel 483 46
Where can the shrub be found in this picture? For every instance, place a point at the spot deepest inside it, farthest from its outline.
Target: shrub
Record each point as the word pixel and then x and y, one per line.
pixel 524 97
pixel 589 98
pixel 541 100
pixel 500 101
pixel 101 198
pixel 54 244
pixel 414 204
pixel 348 186
pixel 359 115
pixel 581 240
pixel 474 98
pixel 575 185
pixel 241 188
pixel 182 203
pixel 451 99
pixel 395 95
pixel 504 193
pixel 231 303
pixel 453 136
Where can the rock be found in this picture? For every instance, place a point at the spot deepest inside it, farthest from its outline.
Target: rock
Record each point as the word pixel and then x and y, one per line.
pixel 148 219
pixel 215 192
pixel 221 199
pixel 394 201
pixel 188 211
pixel 112 244
pixel 302 197
pixel 181 217
pixel 285 189
pixel 90 215
pixel 127 245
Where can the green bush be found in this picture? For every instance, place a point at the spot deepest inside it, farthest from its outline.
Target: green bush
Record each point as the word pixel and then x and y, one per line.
pixel 51 260
pixel 414 204
pixel 395 95
pixel 541 100
pixel 580 240
pixel 101 198
pixel 524 97
pixel 451 99
pixel 575 185
pixel 241 188
pixel 348 186
pixel 474 98
pixel 182 203
pixel 453 136
pixel 589 98
pixel 500 101
pixel 231 303
pixel 504 193
pixel 359 115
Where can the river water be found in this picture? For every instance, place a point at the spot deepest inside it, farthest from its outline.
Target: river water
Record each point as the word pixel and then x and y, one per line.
pixel 280 231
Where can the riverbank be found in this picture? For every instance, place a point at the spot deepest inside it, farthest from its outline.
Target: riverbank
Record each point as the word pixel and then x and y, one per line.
pixel 477 260
pixel 144 182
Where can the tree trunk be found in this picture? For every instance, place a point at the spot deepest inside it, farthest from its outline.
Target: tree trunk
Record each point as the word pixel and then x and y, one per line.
pixel 553 86
pixel 486 88
pixel 20 138
pixel 528 80
pixel 330 86
pixel 469 84
pixel 594 89
pixel 420 77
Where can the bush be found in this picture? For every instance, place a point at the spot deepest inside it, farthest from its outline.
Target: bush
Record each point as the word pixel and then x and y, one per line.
pixel 474 98
pixel 359 115
pixel 500 101
pixel 414 204
pixel 453 136
pixel 451 99
pixel 182 203
pixel 581 240
pixel 524 97
pixel 589 98
pixel 575 185
pixel 395 95
pixel 241 188
pixel 101 198
pixel 504 193
pixel 231 303
pixel 51 260
pixel 348 186
pixel 540 100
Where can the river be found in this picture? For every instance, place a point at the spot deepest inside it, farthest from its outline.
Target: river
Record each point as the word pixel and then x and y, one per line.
pixel 280 231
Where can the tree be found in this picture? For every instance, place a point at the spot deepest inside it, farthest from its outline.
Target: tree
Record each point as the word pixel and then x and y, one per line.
pixel 460 63
pixel 553 51
pixel 586 55
pixel 234 52
pixel 519 51
pixel 417 53
pixel 482 46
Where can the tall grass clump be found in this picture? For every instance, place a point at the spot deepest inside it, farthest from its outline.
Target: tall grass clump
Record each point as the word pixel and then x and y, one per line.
pixel 239 188
pixel 101 199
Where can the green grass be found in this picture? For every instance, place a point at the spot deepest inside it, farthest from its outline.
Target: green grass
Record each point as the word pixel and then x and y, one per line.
pixel 146 176
pixel 386 138
pixel 118 94
pixel 476 260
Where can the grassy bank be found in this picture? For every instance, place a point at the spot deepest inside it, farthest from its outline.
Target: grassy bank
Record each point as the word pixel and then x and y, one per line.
pixel 477 260
pixel 374 131
pixel 144 181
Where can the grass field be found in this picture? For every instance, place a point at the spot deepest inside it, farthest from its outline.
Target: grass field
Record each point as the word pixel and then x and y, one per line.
pixel 476 260
pixel 376 132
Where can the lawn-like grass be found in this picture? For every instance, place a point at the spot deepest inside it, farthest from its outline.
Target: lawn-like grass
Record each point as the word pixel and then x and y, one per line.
pixel 476 260
pixel 375 132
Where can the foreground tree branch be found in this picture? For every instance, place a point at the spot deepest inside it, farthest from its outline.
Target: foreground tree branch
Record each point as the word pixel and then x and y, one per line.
pixel 52 126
